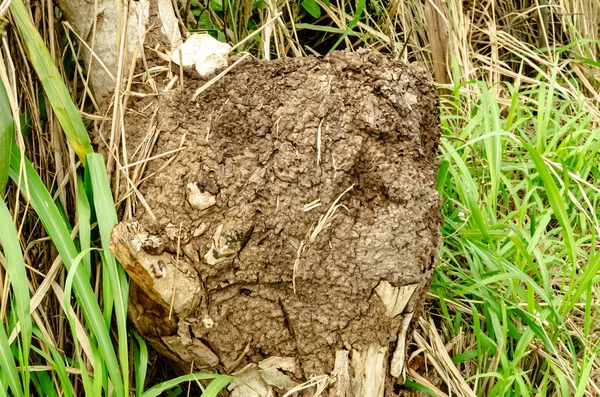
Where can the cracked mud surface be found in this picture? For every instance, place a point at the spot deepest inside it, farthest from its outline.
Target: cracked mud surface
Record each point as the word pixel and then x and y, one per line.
pixel 262 143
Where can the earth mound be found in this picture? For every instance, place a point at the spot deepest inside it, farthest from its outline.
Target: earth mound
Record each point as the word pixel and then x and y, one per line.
pixel 299 223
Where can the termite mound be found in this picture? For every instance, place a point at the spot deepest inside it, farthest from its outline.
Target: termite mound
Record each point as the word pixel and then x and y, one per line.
pixel 295 222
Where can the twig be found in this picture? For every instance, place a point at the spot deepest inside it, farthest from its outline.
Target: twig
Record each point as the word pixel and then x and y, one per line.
pixel 218 77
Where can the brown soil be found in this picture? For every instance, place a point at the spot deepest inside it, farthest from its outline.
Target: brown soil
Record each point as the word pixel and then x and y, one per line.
pixel 253 145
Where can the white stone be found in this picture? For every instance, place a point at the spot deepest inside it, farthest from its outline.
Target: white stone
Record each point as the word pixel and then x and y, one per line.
pixel 199 200
pixel 204 52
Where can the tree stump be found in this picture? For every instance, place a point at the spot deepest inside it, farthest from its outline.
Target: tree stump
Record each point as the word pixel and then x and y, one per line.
pixel 294 238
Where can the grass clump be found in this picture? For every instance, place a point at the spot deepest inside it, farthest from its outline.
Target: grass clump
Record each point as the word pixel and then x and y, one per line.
pixel 517 276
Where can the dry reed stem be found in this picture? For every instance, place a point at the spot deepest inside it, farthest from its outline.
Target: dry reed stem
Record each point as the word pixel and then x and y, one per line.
pixel 218 77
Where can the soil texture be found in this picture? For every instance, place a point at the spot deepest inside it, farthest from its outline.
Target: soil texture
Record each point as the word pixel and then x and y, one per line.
pixel 302 185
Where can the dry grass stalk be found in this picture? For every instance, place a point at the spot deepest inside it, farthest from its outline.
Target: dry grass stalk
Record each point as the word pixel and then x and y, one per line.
pixel 218 77
pixel 320 382
pixel 435 352
pixel 311 235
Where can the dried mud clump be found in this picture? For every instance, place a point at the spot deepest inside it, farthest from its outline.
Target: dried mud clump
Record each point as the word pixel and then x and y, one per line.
pixel 304 197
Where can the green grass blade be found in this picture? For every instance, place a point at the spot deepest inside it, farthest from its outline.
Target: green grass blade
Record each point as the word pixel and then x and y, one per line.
pixel 87 384
pixel 20 285
pixel 327 29
pixel 585 376
pixel 83 217
pixel 442 174
pixel 69 283
pixel 156 390
pixel 215 387
pixel 493 146
pixel 140 363
pixel 6 138
pixel 41 201
pixel 7 365
pixel 583 282
pixel 107 219
pixel 419 387
pixel 360 8
pixel 43 384
pixel 59 367
pixel 57 93
pixel 557 203
pixel 535 328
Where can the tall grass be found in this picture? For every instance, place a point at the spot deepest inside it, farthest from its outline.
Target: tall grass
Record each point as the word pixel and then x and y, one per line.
pixel 514 302
pixel 100 363
pixel 517 280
